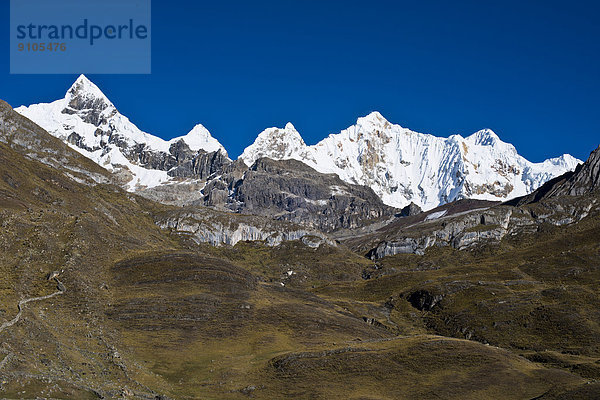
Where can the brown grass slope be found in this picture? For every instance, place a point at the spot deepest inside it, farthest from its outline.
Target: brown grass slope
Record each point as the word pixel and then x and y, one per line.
pixel 535 294
pixel 147 315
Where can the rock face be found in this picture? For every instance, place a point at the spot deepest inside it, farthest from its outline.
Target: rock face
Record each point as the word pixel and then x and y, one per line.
pixel 472 228
pixel 215 228
pixel 459 232
pixel 290 190
pixel 200 165
pixel 411 209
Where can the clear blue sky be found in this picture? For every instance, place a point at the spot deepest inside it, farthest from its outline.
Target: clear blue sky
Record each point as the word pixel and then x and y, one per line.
pixel 529 70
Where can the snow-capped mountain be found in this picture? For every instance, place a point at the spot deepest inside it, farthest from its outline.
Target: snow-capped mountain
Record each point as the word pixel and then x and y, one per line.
pixel 403 166
pixel 277 144
pixel 400 165
pixel 87 120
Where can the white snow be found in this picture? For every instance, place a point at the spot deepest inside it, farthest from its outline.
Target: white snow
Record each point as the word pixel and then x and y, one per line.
pixel 403 166
pixel 61 120
pixel 400 165
pixel 199 138
pixel 435 215
pixel 279 144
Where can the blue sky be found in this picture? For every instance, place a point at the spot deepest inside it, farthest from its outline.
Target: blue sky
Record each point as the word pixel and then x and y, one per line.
pixel 529 70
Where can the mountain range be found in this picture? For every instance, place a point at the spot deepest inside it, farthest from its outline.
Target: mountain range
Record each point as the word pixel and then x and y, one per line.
pixel 401 166
pixel 268 278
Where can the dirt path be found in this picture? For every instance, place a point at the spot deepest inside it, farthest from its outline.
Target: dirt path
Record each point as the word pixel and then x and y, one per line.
pixel 61 290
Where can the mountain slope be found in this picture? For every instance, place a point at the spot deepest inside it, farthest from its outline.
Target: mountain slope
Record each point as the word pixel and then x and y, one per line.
pixel 403 166
pixel 21 134
pixel 147 315
pixel 584 180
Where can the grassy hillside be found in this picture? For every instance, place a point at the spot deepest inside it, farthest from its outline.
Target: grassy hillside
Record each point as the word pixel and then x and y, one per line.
pixel 535 294
pixel 143 313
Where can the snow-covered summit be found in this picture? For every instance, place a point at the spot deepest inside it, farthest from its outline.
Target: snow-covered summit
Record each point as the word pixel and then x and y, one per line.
pixel 373 118
pixel 199 138
pixel 87 120
pixel 403 166
pixel 86 89
pixel 484 137
pixel 275 143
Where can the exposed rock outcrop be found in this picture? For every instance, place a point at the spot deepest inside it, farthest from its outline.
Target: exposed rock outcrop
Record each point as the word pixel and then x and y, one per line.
pixel 411 209
pixel 216 228
pixel 477 227
pixel 424 300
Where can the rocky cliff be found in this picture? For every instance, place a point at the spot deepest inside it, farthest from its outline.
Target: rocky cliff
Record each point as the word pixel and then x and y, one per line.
pixel 218 228
pixel 292 191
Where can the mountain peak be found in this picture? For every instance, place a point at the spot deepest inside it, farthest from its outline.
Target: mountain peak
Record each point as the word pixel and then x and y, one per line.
pixel 288 133
pixel 484 137
pixel 85 95
pixel 199 138
pixel 374 117
pixel 275 143
pixel 84 87
pixel 83 79
pixel 199 129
